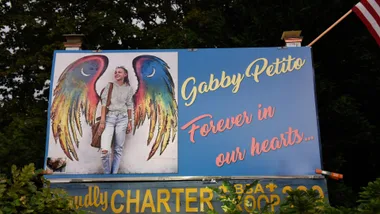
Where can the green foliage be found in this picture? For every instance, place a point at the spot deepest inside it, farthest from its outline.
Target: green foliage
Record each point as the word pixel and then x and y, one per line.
pixel 300 201
pixel 305 202
pixel 370 198
pixel 26 191
pixel 231 200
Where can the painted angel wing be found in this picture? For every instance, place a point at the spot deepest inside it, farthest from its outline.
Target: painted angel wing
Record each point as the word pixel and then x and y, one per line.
pixel 155 100
pixel 75 93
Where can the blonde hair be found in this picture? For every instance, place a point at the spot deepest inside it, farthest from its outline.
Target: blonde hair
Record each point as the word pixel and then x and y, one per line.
pixel 126 79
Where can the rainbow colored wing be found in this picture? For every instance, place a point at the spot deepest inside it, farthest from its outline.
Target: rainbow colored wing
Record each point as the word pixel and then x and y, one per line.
pixel 155 100
pixel 75 93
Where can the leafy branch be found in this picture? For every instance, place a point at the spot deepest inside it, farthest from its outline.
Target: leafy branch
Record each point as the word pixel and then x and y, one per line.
pixel 27 191
pixel 231 200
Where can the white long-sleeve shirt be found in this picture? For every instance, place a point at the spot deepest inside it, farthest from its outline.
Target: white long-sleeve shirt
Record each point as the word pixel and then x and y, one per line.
pixel 121 98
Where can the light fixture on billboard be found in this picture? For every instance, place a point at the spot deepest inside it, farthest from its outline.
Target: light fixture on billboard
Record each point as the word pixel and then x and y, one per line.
pixel 332 175
pixel 73 41
pixel 292 38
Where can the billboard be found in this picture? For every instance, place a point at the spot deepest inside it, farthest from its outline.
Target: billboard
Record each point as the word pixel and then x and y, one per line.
pixel 181 196
pixel 203 112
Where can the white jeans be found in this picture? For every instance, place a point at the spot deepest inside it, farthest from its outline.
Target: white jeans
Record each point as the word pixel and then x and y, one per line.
pixel 115 129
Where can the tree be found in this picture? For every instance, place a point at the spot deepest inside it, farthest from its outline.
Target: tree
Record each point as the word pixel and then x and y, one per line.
pixel 26 191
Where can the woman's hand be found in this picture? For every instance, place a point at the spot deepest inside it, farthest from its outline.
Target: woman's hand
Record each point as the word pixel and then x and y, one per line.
pixel 129 128
pixel 102 125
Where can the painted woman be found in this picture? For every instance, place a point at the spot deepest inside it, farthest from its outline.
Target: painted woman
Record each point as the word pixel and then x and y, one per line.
pixel 117 122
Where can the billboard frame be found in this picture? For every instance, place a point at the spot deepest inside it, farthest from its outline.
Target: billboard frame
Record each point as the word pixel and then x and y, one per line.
pixel 176 178
pixel 74 178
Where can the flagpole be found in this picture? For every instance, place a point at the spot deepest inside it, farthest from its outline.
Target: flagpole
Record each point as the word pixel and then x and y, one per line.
pixel 328 29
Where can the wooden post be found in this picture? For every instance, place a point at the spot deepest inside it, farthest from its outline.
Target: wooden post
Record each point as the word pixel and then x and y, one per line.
pixel 328 29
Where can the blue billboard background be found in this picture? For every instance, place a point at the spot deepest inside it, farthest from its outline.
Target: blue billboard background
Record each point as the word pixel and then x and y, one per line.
pixel 269 125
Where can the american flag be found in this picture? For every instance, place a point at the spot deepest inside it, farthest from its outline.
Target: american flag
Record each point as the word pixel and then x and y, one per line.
pixel 369 13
